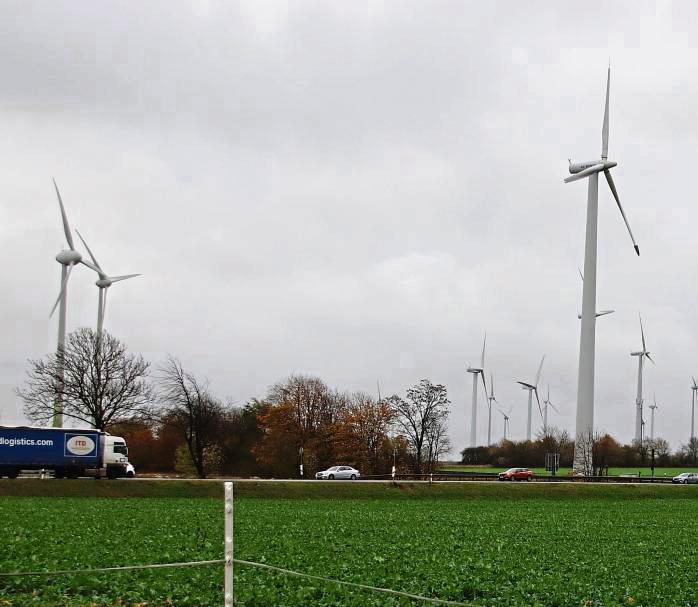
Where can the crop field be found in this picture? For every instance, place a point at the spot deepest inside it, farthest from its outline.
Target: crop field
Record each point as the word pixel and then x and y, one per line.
pixel 485 544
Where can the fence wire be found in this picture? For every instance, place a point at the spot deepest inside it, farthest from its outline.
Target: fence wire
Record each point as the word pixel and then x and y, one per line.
pixel 317 578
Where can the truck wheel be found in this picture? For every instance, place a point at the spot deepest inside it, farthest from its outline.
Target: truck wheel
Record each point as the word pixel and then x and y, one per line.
pixel 13 474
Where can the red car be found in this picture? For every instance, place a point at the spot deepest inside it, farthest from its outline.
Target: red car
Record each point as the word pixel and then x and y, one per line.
pixel 516 474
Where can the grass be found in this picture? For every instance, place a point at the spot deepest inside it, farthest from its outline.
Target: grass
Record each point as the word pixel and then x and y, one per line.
pixel 485 544
pixel 668 472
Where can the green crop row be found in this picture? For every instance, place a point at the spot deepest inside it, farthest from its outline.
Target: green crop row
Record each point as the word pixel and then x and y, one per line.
pixel 487 551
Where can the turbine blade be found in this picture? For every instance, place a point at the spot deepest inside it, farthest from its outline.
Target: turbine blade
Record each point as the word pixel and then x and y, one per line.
pixel 492 385
pixel 694 381
pixel 60 293
pixel 620 208
pixel 94 259
pixel 604 312
pixel 484 383
pixel 650 358
pixel 66 225
pixel 604 130
pixel 580 273
pixel 554 407
pixel 120 278
pixel 540 368
pixel 597 168
pixel 642 332
pixel 538 401
pixel 90 265
pixel 524 384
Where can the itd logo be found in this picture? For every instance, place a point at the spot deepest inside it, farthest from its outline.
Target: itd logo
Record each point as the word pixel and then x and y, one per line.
pixel 79 444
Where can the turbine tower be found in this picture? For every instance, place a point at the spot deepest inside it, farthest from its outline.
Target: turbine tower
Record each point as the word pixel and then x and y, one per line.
pixel 68 258
pixel 531 389
pixel 103 283
pixel 638 401
pixel 481 372
pixel 587 342
pixel 490 399
pixel 653 407
pixel 694 387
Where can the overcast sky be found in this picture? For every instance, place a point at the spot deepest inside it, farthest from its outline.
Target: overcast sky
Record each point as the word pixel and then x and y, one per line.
pixel 357 191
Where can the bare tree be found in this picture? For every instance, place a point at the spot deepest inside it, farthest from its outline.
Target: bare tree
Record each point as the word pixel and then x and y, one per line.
pixel 438 443
pixel 426 406
pixel 102 383
pixel 191 409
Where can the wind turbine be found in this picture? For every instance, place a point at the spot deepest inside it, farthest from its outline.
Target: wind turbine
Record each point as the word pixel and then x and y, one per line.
pixel 531 389
pixel 68 258
pixel 506 421
pixel 481 372
pixel 490 399
pixel 547 403
pixel 694 387
pixel 587 342
pixel 652 408
pixel 638 401
pixel 103 283
pixel 600 312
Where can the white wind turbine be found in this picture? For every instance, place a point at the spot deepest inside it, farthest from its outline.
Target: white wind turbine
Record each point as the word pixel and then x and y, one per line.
pixel 531 389
pixel 490 399
pixel 600 312
pixel 694 387
pixel 506 422
pixel 481 372
pixel 68 258
pixel 638 401
pixel 547 403
pixel 653 407
pixel 103 283
pixel 587 342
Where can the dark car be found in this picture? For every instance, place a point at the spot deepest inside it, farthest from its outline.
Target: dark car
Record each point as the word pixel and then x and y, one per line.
pixel 516 474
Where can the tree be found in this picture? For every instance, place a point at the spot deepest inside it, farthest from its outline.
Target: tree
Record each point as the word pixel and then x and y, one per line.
pixel 192 410
pixel 103 384
pixel 361 432
pixel 424 412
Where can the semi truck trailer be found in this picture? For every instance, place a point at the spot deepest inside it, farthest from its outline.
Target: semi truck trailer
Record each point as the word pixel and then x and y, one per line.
pixel 69 452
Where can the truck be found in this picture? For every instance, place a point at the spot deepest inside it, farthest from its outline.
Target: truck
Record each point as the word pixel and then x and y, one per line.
pixel 68 452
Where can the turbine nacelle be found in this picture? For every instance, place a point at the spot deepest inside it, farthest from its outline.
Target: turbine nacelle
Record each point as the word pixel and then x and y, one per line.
pixel 474 370
pixel 597 165
pixel 69 257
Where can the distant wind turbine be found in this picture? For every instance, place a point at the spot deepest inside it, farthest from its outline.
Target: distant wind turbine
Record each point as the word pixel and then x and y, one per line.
pixel 531 389
pixel 653 407
pixel 600 312
pixel 546 404
pixel 481 372
pixel 638 401
pixel 490 399
pixel 506 422
pixel 587 342
pixel 103 283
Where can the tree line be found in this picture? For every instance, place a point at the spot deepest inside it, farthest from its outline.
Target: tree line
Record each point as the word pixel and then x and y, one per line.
pixel 173 421
pixel 604 451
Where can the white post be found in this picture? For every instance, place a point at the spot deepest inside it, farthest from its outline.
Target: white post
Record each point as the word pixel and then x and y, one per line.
pixel 229 594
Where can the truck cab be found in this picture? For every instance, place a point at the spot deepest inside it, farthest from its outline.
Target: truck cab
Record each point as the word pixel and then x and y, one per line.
pixel 115 456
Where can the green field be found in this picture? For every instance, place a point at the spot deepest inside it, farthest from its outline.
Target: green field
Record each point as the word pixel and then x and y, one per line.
pixel 660 472
pixel 483 544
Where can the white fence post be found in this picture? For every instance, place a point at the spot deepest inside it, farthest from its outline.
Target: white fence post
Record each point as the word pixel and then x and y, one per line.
pixel 229 594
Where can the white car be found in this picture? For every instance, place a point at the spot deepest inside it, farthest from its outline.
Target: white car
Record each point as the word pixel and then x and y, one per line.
pixel 339 472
